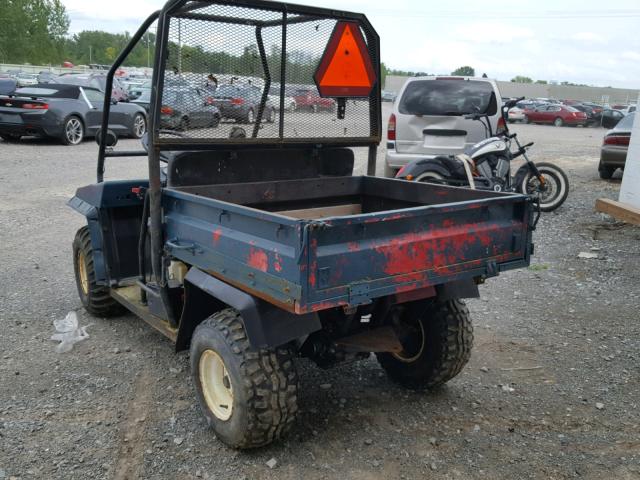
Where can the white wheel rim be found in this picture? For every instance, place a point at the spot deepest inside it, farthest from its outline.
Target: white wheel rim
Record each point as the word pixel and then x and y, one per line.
pixel 555 195
pixel 139 126
pixel 216 385
pixel 73 131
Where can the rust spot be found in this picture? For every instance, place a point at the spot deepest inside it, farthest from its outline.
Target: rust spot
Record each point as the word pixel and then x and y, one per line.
pixel 258 260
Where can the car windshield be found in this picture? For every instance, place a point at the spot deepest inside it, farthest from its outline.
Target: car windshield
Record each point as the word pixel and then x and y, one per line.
pixel 448 97
pixel 571 109
pixel 626 123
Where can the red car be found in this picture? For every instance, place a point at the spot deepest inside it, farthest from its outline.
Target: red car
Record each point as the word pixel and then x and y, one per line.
pixel 557 115
pixel 310 100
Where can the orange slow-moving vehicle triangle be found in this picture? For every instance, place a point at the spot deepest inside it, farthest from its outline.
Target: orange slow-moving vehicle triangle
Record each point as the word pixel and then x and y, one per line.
pixel 346 69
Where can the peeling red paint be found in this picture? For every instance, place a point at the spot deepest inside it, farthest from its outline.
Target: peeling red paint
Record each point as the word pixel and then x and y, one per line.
pixel 258 259
pixel 277 264
pixel 314 263
pixel 217 233
pixel 436 249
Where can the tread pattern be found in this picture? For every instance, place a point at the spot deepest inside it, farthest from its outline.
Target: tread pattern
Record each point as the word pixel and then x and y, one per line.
pixel 99 302
pixel 270 381
pixel 449 332
pixel 456 340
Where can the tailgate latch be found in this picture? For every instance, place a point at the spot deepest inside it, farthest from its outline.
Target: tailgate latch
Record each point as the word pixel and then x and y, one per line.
pixel 359 294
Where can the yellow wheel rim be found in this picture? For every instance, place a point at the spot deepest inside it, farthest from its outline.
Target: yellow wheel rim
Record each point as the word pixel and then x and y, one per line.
pixel 82 271
pixel 216 385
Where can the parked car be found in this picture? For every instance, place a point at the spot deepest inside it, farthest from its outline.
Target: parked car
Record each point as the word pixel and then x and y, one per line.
pixel 597 109
pixel 134 91
pixel 308 99
pixel 183 108
pixel 67 112
pixel 274 97
pixel 241 103
pixel 8 85
pixel 592 117
pixel 428 118
pixel 388 96
pixel 610 118
pixel 25 79
pixel 46 76
pixel 557 115
pixel 97 81
pixel 516 114
pixel 627 110
pixel 613 153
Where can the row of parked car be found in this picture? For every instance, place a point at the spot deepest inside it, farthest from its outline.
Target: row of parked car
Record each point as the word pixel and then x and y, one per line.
pixel 569 113
pixel 68 113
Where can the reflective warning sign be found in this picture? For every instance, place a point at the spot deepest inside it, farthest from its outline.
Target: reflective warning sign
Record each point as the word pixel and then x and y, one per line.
pixel 346 69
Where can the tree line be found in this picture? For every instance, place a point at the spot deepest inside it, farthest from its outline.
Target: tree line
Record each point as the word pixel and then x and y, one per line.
pixel 36 32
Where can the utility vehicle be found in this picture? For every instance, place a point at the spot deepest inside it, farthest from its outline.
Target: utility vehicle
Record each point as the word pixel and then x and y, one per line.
pixel 256 244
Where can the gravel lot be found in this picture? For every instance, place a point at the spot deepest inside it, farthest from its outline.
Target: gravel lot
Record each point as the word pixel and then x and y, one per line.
pixel 551 391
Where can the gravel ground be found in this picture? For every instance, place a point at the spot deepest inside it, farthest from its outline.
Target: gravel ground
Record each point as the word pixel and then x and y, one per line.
pixel 551 391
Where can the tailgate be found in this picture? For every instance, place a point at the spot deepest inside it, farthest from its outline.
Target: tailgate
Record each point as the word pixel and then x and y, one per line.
pixel 356 259
pixel 436 135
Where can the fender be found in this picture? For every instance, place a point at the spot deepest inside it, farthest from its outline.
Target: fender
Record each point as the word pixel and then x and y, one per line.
pixel 519 177
pixel 418 167
pixel 267 326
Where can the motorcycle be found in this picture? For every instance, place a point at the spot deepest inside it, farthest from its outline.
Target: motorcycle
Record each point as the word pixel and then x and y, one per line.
pixel 487 166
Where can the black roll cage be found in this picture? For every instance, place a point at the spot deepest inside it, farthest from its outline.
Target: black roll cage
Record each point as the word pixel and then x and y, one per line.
pixel 156 144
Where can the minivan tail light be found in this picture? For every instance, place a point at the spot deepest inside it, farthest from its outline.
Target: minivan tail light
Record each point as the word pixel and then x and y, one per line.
pixel 621 140
pixel 391 129
pixel 502 126
pixel 166 111
pixel 237 101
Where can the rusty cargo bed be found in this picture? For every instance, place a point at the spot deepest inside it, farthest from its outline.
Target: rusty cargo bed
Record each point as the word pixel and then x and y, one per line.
pixel 312 244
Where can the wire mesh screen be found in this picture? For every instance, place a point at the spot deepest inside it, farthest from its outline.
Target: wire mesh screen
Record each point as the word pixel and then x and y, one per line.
pixel 236 72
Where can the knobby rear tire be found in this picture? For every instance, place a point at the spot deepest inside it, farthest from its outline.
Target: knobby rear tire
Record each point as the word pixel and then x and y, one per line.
pixel 264 383
pixel 448 340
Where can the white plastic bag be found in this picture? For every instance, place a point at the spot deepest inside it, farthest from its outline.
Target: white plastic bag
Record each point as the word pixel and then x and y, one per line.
pixel 69 332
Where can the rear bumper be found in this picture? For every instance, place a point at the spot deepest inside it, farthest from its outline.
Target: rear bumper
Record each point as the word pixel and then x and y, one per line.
pixel 613 156
pixel 25 130
pixel 397 160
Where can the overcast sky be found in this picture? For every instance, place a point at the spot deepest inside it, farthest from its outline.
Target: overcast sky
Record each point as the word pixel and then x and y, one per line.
pixel 579 41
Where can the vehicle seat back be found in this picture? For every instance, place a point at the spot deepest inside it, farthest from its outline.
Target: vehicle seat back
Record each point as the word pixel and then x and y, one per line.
pixel 187 169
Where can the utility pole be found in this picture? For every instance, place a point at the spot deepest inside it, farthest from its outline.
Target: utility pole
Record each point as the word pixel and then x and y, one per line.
pixel 148 52
pixel 90 54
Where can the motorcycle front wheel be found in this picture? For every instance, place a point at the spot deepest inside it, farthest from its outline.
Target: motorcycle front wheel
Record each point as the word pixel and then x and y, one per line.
pixel 555 190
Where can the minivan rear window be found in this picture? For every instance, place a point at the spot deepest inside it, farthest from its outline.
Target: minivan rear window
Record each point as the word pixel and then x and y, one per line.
pixel 448 97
